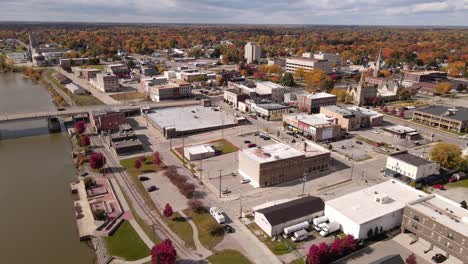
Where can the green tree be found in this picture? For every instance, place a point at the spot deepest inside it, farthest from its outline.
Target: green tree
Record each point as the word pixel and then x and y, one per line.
pixel 446 154
pixel 300 74
pixel 463 204
pixel 288 80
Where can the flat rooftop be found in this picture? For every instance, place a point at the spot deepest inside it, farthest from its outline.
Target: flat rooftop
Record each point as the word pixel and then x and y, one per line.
pixel 410 158
pixel 339 110
pixel 272 152
pixel 191 118
pixel 272 85
pixel 312 120
pixel 361 207
pixel 364 111
pixel 310 149
pixel 459 113
pixel 400 129
pixel 271 106
pixel 303 59
pixel 445 212
pixel 199 149
pixel 320 95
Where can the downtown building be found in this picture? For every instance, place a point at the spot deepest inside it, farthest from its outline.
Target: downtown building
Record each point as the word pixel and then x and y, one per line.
pixel 293 64
pixel 252 52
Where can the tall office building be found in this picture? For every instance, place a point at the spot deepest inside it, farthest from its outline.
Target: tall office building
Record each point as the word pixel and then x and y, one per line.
pixel 252 52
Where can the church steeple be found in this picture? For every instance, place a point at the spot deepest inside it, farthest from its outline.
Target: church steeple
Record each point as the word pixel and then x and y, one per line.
pixel 378 63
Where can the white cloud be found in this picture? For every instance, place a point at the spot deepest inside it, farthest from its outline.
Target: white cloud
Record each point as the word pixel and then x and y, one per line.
pixel 401 12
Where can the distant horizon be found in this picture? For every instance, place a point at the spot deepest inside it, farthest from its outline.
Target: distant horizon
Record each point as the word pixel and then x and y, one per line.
pixel 235 12
pixel 229 24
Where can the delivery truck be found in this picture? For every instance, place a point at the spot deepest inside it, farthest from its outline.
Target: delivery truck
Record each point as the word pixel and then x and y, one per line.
pixel 330 228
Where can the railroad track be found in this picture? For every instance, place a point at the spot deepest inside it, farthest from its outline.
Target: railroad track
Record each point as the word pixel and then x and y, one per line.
pixel 182 250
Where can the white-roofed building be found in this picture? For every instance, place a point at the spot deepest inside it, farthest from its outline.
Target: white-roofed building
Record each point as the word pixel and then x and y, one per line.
pixel 74 89
pixel 379 207
pixel 199 152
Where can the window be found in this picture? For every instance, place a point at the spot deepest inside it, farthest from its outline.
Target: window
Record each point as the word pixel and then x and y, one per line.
pixel 439 239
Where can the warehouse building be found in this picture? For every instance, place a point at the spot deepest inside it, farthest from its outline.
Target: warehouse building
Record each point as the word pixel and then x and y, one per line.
pixel 450 118
pixel 273 219
pixel 440 224
pixel 316 127
pixel 179 121
pixel 270 112
pixel 352 118
pixel 407 167
pixel 278 163
pixel 378 208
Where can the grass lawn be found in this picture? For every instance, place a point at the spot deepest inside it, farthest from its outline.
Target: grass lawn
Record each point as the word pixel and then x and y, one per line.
pixel 128 96
pixel 182 228
pixel 86 100
pixel 204 221
pixel 146 167
pixel 297 261
pixel 278 247
pixel 224 146
pixel 228 256
pixel 99 67
pixel 126 243
pixel 462 184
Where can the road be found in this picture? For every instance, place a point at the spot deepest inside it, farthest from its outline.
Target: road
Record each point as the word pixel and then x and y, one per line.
pixel 139 204
pixel 57 89
pixel 87 109
pixel 426 131
pixel 105 98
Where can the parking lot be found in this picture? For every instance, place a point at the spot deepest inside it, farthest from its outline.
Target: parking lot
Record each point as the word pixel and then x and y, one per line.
pixel 226 165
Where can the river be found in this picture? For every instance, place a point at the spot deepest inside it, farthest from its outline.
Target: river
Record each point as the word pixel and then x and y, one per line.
pixel 37 220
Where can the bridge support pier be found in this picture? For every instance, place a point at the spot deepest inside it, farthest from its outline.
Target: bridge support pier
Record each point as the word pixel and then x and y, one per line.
pixel 53 124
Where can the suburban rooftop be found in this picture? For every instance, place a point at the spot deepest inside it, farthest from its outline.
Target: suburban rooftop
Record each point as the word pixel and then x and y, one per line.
pixel 361 207
pixel 459 113
pixel 272 152
pixel 444 211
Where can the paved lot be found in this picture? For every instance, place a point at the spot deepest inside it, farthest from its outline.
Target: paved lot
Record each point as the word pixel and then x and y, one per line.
pixel 350 149
pixel 380 250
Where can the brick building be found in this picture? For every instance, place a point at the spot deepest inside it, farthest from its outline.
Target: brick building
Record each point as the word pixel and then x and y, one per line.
pixel 311 103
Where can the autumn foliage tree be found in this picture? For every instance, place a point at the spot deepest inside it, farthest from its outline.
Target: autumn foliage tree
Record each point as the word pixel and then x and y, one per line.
pixel 84 141
pixel 443 87
pixel 156 158
pixel 196 205
pixel 163 253
pixel 137 164
pixel 80 127
pixel 97 160
pixel 446 154
pixel 411 259
pixel 168 212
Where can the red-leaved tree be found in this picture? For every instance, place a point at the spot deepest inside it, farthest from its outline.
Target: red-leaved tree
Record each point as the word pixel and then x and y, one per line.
pixel 349 244
pixel 80 127
pixel 411 259
pixel 97 160
pixel 402 113
pixel 156 158
pixel 168 212
pixel 385 109
pixel 137 164
pixel 84 140
pixel 163 253
pixel 313 256
pixel 336 249
pixel 323 253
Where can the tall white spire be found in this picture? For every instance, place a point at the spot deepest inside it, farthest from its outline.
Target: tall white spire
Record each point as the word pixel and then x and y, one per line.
pixel 378 63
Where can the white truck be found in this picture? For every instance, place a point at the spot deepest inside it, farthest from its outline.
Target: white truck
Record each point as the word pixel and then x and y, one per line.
pixel 319 220
pixel 291 229
pixel 217 215
pixel 330 228
pixel 300 235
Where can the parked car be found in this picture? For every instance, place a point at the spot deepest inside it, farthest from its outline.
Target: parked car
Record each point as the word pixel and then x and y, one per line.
pixel 438 258
pixel 247 141
pixel 384 149
pixel 226 191
pixel 254 117
pixel 358 142
pixel 143 178
pixel 375 131
pixel 245 181
pixel 439 186
pixel 463 137
pixel 251 145
pixel 262 136
pixel 266 138
pixel 350 145
pixel 342 147
pixel 152 188
pixel 61 109
pixel 377 144
pixel 228 229
pixel 256 134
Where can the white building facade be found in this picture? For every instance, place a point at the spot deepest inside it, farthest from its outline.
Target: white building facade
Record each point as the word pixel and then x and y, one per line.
pixel 252 52
pixel 410 166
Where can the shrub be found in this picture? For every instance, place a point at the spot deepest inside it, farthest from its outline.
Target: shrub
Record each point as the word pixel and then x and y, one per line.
pixel 196 205
pixel 97 160
pixel 163 253
pixel 88 182
pixel 100 215
pixel 168 212
pixel 80 127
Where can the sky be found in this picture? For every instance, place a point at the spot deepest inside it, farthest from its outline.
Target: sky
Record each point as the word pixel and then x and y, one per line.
pixel 329 12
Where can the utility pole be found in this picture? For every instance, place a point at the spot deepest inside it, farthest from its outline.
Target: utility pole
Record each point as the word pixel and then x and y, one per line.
pixel 352 165
pixel 304 180
pixel 201 169
pixel 220 183
pixel 183 150
pixel 240 206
